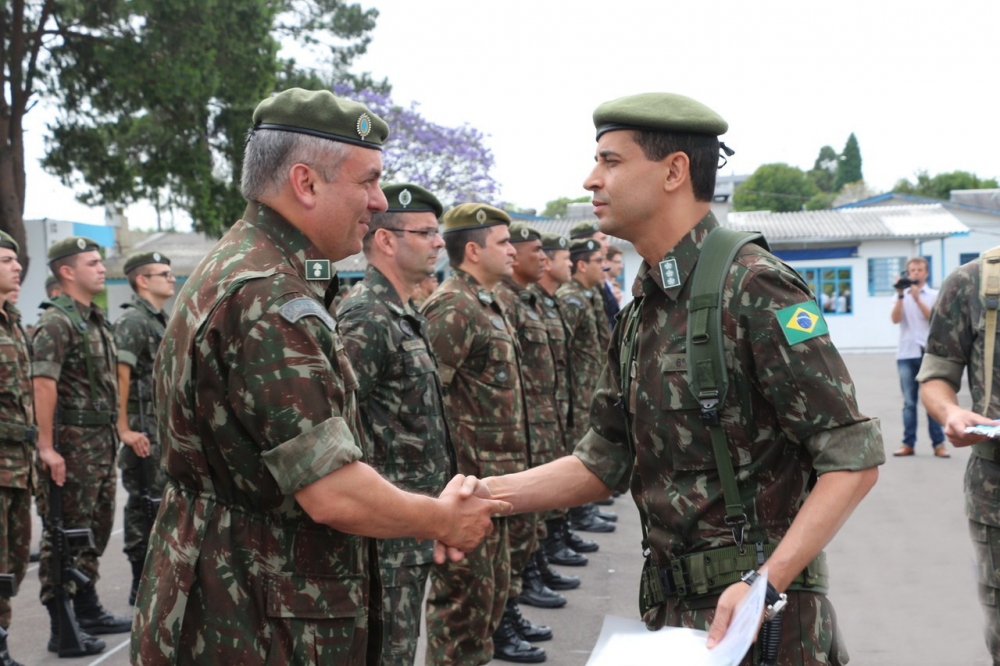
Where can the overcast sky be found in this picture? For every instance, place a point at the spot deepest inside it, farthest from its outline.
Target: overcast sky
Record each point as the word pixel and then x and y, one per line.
pixel 915 81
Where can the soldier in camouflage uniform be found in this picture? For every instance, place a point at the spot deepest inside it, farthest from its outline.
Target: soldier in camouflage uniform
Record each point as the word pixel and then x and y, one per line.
pixel 601 292
pixel 137 335
pixel 17 435
pixel 74 377
pixel 253 557
pixel 399 393
pixel 805 454
pixel 958 343
pixel 478 359
pixel 583 311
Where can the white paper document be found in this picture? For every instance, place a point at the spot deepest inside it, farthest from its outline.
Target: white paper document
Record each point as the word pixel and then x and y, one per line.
pixel 628 643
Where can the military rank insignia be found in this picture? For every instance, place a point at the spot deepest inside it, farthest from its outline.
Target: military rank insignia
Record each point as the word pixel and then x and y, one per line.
pixel 364 126
pixel 669 274
pixel 802 322
pixel 318 269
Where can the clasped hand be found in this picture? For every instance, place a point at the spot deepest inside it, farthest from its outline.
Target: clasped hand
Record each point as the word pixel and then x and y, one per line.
pixel 471 508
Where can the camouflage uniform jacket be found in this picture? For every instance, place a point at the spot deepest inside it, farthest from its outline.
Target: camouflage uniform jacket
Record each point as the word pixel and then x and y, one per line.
pixel 551 315
pixel 58 348
pixel 478 359
pixel 538 370
pixel 138 333
pixel 16 415
pixel 956 343
pixel 585 356
pixel 256 402
pixel 399 396
pixel 601 319
pixel 790 410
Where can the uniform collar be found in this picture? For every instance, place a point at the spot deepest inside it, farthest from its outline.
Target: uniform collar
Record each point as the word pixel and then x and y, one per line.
pixel 291 242
pixel 12 314
pixel 385 291
pixel 142 304
pixel 471 283
pixel 679 262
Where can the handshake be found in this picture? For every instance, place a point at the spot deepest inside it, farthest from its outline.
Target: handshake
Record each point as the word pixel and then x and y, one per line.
pixel 470 508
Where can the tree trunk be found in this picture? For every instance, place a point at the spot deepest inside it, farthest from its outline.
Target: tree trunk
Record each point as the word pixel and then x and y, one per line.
pixel 11 203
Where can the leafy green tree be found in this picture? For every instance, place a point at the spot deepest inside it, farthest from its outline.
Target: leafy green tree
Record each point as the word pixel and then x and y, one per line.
pixel 849 165
pixel 941 185
pixel 557 207
pixel 824 170
pixel 775 187
pixel 156 95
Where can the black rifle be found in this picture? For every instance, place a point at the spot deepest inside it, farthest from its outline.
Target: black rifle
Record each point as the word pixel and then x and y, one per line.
pixel 65 542
pixel 150 503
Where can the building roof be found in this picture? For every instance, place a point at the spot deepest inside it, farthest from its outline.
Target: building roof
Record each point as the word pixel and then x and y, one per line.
pixel 857 224
pixel 975 203
pixel 185 249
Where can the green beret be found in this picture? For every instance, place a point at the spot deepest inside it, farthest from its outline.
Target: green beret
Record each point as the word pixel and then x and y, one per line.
pixel 7 241
pixel 660 112
pixel 137 260
pixel 67 247
pixel 583 230
pixel 410 198
pixel 522 233
pixel 554 242
pixel 468 216
pixel 321 113
pixel 583 246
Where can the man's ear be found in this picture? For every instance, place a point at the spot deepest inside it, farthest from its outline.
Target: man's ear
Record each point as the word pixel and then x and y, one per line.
pixel 473 252
pixel 677 171
pixel 302 180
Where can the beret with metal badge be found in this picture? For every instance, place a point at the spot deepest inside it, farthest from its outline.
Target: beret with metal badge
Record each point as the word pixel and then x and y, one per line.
pixel 67 247
pixel 583 246
pixel 144 258
pixel 659 112
pixel 468 216
pixel 554 242
pixel 411 198
pixel 322 114
pixel 522 233
pixel 7 241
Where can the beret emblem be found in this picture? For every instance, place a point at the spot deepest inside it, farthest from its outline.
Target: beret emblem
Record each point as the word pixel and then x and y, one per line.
pixel 405 198
pixel 562 242
pixel 156 257
pixel 364 126
pixel 481 216
pixel 80 243
pixel 525 233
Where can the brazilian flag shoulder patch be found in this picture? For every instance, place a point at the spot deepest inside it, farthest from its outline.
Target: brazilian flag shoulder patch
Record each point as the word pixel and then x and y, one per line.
pixel 802 322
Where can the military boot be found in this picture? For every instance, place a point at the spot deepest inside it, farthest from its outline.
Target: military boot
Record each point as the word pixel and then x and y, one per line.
pixel 523 626
pixel 5 659
pixel 552 578
pixel 136 577
pixel 509 646
pixel 582 519
pixel 579 544
pixel 534 592
pixel 555 546
pixel 95 618
pixel 88 644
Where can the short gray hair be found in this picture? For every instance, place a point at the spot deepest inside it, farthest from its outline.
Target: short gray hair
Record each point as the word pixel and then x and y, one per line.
pixel 271 153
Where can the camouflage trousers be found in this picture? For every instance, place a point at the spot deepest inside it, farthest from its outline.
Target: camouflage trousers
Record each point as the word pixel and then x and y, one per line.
pixel 88 501
pixel 466 602
pixel 522 534
pixel 986 544
pixel 137 524
pixel 809 632
pixel 15 540
pixel 402 597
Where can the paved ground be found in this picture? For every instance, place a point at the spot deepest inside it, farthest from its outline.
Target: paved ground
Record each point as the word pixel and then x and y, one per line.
pixel 903 579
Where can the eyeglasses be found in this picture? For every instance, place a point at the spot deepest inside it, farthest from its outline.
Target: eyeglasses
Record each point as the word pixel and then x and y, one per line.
pixel 166 275
pixel 428 234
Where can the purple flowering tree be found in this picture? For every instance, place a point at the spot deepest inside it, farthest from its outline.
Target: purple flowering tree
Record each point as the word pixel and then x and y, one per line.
pixel 452 162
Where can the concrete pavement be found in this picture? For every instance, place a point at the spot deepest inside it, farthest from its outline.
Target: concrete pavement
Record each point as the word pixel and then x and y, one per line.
pixel 903 578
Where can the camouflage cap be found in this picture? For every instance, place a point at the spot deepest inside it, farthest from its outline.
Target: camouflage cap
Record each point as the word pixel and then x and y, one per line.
pixel 468 216
pixel 7 241
pixel 522 233
pixel 554 242
pixel 141 259
pixel 583 229
pixel 583 246
pixel 660 112
pixel 323 114
pixel 410 198
pixel 67 247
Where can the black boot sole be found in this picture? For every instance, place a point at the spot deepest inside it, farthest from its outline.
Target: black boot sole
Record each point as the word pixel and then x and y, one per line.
pixel 561 582
pixel 542 602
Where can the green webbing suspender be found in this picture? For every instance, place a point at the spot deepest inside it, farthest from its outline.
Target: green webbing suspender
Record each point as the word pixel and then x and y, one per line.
pixel 989 292
pixel 707 376
pixel 76 319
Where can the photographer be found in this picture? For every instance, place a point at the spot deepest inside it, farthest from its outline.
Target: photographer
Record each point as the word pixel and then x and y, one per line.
pixel 912 311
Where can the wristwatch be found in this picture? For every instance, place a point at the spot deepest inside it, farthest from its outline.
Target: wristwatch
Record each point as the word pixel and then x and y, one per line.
pixel 774 602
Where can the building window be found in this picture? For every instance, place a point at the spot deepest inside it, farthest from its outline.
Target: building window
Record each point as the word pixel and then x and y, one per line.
pixel 883 272
pixel 966 257
pixel 832 287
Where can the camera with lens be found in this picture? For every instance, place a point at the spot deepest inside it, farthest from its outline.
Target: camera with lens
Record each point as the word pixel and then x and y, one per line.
pixel 904 283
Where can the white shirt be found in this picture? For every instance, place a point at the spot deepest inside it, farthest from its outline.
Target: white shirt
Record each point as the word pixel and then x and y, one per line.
pixel 914 327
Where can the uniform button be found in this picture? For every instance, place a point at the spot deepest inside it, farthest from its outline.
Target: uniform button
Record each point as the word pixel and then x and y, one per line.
pixel 502 376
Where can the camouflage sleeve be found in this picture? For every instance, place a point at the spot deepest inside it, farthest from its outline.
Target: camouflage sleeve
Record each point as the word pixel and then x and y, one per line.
pixel 949 344
pixel 807 383
pixel 286 386
pixel 130 338
pixel 448 333
pixel 604 449
pixel 49 346
pixel 367 346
